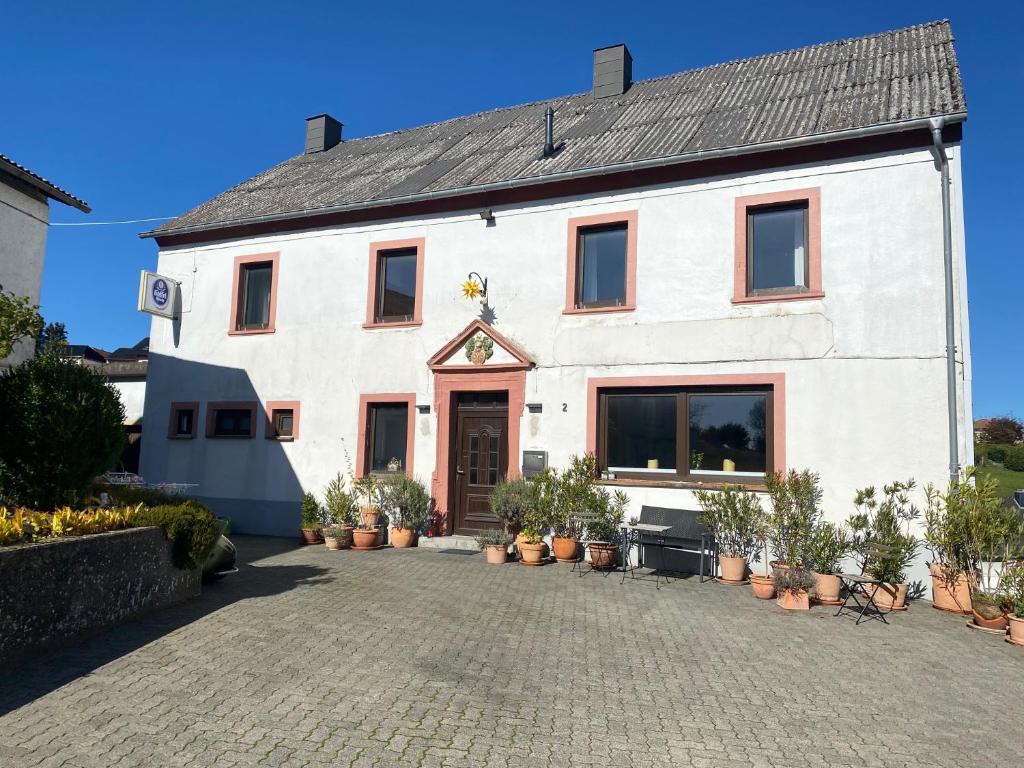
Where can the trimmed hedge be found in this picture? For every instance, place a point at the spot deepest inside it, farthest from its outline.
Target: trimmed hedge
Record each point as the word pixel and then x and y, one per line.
pixel 1014 458
pixel 191 528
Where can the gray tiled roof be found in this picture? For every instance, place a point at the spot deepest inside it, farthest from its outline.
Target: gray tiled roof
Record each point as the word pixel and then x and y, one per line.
pixel 48 188
pixel 868 81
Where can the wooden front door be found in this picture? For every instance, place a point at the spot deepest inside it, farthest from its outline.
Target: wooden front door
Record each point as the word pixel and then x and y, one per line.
pixel 480 461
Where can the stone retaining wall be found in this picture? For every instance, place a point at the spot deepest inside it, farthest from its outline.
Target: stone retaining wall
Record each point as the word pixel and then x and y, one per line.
pixel 55 593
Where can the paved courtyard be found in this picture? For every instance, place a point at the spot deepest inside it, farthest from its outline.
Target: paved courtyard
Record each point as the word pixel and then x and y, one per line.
pixel 309 658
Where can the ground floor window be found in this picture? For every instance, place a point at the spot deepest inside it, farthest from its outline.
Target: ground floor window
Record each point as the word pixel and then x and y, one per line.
pixel 387 435
pixel 231 419
pixel 686 433
pixel 183 421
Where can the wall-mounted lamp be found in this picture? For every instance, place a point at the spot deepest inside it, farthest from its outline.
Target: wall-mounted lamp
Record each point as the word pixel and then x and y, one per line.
pixel 535 407
pixel 423 408
pixel 475 287
pixel 487 215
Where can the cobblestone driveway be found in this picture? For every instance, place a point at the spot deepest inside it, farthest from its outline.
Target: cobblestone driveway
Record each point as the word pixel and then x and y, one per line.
pixel 419 658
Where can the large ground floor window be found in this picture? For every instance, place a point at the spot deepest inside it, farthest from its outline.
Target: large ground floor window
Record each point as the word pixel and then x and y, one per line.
pixel 686 433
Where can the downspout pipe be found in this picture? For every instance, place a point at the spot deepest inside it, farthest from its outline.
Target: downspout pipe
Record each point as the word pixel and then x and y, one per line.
pixel 942 163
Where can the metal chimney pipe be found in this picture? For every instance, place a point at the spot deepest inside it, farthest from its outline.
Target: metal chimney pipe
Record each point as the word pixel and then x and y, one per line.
pixel 549 132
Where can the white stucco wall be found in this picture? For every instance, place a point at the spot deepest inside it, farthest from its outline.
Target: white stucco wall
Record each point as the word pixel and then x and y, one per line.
pixel 133 396
pixel 23 222
pixel 864 366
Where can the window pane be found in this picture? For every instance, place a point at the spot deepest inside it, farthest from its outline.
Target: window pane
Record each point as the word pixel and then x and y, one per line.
pixel 184 423
pixel 641 429
pixel 728 428
pixel 603 265
pixel 390 423
pixel 283 423
pixel 256 298
pixel 232 422
pixel 778 248
pixel 398 285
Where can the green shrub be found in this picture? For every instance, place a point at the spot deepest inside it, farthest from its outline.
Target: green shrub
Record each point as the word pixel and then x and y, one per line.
pixel 405 501
pixel 131 495
pixel 191 528
pixel 1014 458
pixel 511 502
pixel 312 514
pixel 996 453
pixel 62 427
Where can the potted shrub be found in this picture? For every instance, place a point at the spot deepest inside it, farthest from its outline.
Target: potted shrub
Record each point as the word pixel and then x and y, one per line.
pixel 336 537
pixel 607 511
pixel 311 527
pixel 342 512
pixel 828 545
pixel 794 510
pixel 495 544
pixel 406 503
pixel 762 584
pixel 511 500
pixel 881 532
pixel 1013 590
pixel 794 585
pixel 569 498
pixel 947 533
pixel 530 540
pixel 367 493
pixel 732 514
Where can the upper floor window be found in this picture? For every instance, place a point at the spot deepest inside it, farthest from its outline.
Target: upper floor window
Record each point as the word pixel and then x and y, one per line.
pixel 777 249
pixel 282 420
pixel 395 294
pixel 396 286
pixel 778 246
pixel 255 294
pixel 601 265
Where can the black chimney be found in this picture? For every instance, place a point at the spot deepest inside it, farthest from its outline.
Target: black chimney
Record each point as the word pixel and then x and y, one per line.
pixel 613 71
pixel 322 133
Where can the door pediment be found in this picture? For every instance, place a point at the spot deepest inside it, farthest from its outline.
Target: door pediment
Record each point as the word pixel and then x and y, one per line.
pixel 479 347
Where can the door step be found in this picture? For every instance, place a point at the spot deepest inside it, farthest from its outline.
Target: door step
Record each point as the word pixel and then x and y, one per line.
pixel 449 542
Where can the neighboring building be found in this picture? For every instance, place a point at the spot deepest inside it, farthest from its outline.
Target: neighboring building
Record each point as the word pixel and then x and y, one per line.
pixel 125 369
pixel 702 278
pixel 24 217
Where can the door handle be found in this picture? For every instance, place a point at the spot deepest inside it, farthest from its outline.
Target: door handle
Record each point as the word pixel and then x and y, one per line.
pixel 459 471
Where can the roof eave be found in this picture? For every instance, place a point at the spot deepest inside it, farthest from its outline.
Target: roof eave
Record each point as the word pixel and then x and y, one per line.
pixel 633 165
pixel 48 189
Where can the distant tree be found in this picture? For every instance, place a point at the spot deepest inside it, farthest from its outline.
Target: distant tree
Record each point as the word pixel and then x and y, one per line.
pixel 54 335
pixel 1003 429
pixel 61 428
pixel 19 318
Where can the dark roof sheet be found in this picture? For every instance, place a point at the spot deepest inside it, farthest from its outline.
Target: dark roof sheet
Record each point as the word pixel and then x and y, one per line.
pixel 876 80
pixel 48 188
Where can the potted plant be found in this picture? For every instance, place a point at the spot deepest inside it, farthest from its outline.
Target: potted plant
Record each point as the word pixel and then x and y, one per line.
pixel 530 540
pixel 881 532
pixel 763 585
pixel 341 510
pixel 1013 590
pixel 367 493
pixel 732 515
pixel 569 498
pixel 311 527
pixel 607 511
pixel 794 510
pixel 406 502
pixel 336 537
pixel 828 545
pixel 510 500
pixel 495 544
pixel 947 532
pixel 793 585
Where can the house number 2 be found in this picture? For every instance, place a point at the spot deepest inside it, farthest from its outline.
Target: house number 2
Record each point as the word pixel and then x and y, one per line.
pixel 565 407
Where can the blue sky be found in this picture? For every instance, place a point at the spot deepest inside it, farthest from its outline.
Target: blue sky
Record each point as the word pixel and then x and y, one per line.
pixel 146 109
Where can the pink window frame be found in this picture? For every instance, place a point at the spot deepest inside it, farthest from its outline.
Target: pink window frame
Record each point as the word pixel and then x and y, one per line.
pixel 811 196
pixel 236 300
pixel 777 381
pixel 365 401
pixel 420 244
pixel 216 405
pixel 281 405
pixel 629 218
pixel 176 408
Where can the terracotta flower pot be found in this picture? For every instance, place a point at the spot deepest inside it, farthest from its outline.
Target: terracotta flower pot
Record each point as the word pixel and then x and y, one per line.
pixel 764 586
pixel 1016 629
pixel 602 554
pixel 496 554
pixel 369 516
pixel 826 588
pixel 365 537
pixel 532 554
pixel 794 600
pixel 734 568
pixel 565 549
pixel 950 594
pixel 889 597
pixel 999 622
pixel 332 542
pixel 402 538
pixel 311 535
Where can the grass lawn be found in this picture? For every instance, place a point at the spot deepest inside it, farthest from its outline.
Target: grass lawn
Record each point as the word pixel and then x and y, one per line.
pixel 1009 480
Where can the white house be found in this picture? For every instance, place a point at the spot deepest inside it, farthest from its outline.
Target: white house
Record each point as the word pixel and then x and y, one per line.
pixel 24 218
pixel 702 278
